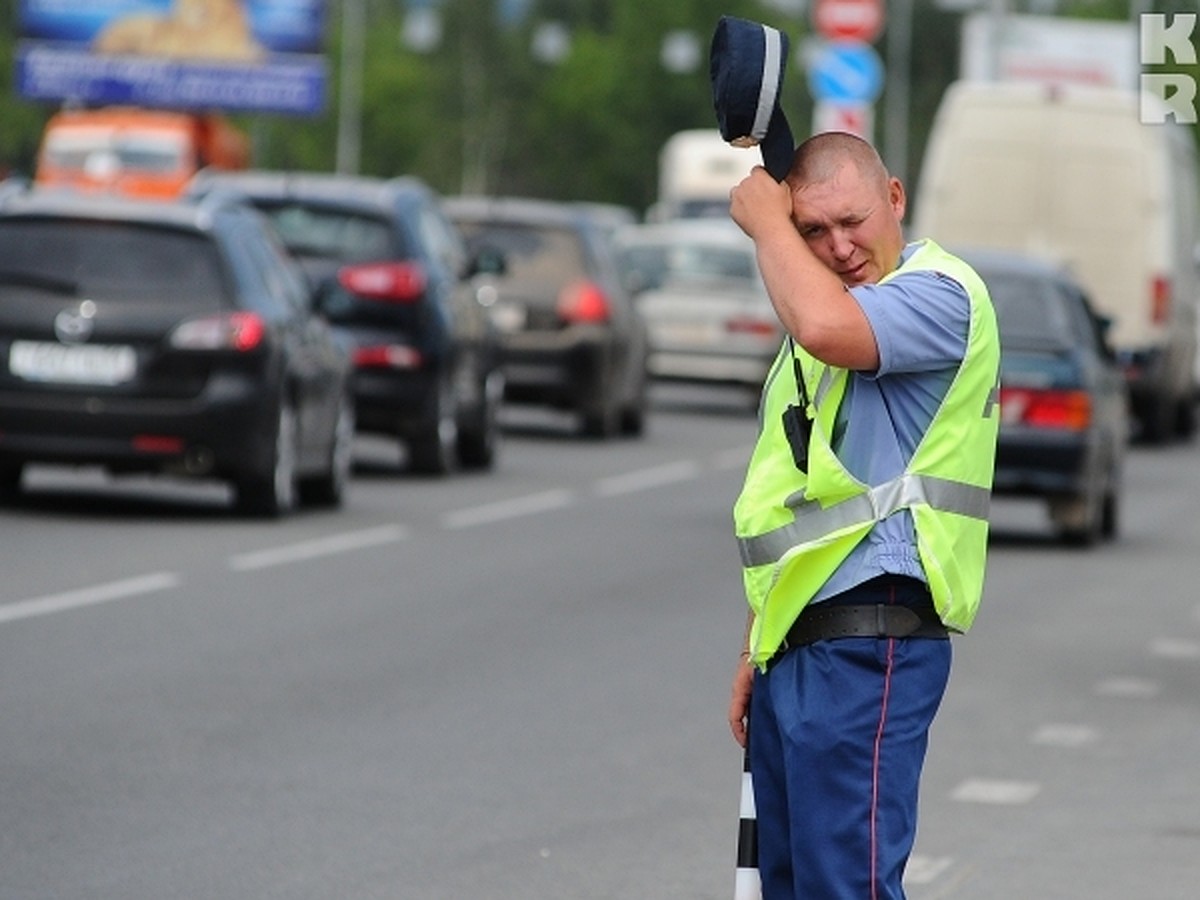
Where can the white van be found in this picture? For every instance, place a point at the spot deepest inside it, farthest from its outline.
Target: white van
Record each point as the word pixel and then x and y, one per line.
pixel 1070 173
pixel 697 169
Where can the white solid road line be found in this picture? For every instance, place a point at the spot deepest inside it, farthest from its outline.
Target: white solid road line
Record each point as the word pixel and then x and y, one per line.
pixel 88 596
pixel 317 547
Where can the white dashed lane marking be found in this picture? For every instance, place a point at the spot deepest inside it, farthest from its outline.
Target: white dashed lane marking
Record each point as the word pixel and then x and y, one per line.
pixel 1128 688
pixel 318 547
pixel 88 596
pixel 508 509
pixel 1061 734
pixel 644 479
pixel 995 791
pixel 1175 648
pixel 926 869
pixel 346 542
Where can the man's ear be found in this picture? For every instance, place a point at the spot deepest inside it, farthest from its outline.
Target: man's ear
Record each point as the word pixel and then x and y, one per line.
pixel 896 198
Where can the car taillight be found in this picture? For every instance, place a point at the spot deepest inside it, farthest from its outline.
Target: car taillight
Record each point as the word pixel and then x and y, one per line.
pixel 1066 410
pixel 387 356
pixel 583 302
pixel 239 331
pixel 157 443
pixel 754 325
pixel 393 282
pixel 1160 299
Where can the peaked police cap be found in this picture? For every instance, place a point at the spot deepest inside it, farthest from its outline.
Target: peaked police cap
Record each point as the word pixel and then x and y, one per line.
pixel 746 64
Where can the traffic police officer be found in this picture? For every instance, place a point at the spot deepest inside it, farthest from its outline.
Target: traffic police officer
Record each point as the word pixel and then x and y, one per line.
pixel 862 522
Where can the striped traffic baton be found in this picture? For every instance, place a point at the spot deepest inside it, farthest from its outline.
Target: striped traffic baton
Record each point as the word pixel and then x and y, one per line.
pixel 748 885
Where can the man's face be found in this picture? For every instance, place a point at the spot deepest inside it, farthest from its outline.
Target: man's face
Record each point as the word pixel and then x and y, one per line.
pixel 852 224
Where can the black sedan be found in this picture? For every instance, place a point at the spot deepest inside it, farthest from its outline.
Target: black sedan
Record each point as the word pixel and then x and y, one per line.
pixel 393 275
pixel 571 336
pixel 169 338
pixel 1064 425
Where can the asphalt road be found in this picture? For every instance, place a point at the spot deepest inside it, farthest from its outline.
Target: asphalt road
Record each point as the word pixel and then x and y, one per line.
pixel 513 685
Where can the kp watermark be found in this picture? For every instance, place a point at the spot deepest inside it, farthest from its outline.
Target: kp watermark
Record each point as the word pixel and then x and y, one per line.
pixel 1166 39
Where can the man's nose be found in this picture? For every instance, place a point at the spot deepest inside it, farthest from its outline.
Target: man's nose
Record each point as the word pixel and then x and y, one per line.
pixel 840 244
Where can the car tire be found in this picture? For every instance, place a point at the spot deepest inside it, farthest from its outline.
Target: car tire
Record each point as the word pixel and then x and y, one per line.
pixel 600 422
pixel 1110 518
pixel 435 451
pixel 477 445
pixel 633 416
pixel 273 493
pixel 1185 418
pixel 1157 420
pixel 329 488
pixel 10 480
pixel 1079 519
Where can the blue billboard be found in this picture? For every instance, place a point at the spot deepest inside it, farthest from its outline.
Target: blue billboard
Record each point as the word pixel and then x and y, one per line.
pixel 233 55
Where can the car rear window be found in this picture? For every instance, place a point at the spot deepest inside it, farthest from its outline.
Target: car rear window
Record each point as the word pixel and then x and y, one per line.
pixel 657 264
pixel 1030 311
pixel 534 253
pixel 342 235
pixel 112 261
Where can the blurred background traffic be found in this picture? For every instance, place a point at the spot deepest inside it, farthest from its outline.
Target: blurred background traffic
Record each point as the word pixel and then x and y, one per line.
pixel 467 206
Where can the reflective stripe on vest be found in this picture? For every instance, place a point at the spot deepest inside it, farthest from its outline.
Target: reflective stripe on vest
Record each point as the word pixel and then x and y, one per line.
pixel 814 521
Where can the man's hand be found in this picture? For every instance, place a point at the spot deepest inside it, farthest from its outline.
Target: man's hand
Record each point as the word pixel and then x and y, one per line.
pixel 739 701
pixel 759 203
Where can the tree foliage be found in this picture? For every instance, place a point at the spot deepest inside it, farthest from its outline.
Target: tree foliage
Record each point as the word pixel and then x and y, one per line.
pixel 480 113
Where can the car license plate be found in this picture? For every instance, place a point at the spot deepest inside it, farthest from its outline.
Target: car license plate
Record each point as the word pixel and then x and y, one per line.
pixel 688 334
pixel 508 317
pixel 72 364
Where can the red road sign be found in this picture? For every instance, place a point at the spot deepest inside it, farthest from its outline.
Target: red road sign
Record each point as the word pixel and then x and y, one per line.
pixel 848 20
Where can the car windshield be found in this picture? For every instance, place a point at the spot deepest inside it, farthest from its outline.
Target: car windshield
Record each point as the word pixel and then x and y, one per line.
pixel 533 253
pixel 100 152
pixel 111 261
pixel 348 237
pixel 658 264
pixel 1029 310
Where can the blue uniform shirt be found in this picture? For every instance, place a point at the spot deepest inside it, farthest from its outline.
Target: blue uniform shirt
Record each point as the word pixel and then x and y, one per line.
pixel 920 320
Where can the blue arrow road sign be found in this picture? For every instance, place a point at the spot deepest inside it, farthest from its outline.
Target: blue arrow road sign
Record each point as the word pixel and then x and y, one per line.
pixel 845 72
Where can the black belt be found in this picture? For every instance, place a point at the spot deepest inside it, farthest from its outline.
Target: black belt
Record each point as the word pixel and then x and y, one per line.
pixel 821 622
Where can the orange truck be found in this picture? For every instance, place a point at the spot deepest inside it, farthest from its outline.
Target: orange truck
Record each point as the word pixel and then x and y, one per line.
pixel 144 153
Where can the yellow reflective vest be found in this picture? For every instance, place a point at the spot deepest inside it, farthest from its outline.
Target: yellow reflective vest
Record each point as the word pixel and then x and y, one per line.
pixel 794 528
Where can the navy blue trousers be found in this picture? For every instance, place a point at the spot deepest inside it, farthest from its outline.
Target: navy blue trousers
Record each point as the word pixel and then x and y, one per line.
pixel 838 732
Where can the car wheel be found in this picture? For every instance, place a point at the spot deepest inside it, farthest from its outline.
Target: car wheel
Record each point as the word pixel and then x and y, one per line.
pixel 1185 418
pixel 329 488
pixel 600 422
pixel 10 480
pixel 1110 519
pixel 1079 519
pixel 272 494
pixel 477 445
pixel 435 452
pixel 633 416
pixel 1158 420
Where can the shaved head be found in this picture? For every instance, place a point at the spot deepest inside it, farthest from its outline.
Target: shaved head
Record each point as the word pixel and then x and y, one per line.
pixel 819 158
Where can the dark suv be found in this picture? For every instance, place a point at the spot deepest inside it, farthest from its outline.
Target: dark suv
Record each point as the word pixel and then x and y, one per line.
pixel 393 275
pixel 167 337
